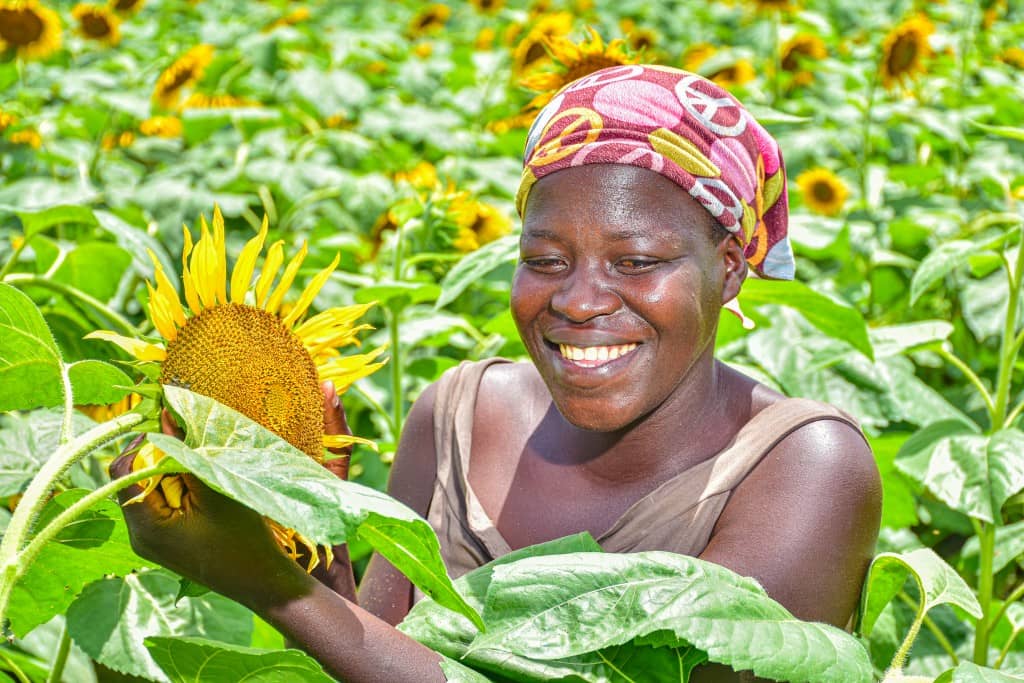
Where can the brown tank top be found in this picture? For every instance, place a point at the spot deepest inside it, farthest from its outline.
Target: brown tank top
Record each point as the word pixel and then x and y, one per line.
pixel 678 516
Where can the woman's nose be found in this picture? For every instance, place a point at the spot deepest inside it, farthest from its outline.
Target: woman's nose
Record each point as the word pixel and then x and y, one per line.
pixel 584 295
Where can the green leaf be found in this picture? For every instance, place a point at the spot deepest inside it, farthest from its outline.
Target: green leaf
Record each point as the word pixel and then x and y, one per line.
pixel 937 582
pixel 91 547
pixel 1008 132
pixel 941 261
pixel 28 440
pixel 476 265
pixel 457 673
pixel 30 363
pixel 241 459
pixel 839 321
pixel 97 383
pixel 39 220
pixel 94 268
pixel 969 672
pixel 971 473
pixel 566 606
pixel 398 295
pixel 1009 546
pixel 112 618
pixel 899 506
pixel 194 660
pixel 896 339
pixel 137 242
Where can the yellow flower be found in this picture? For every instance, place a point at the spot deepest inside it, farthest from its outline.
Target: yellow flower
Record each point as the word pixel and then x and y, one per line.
pixel 29 29
pixel 96 22
pixel 484 39
pixel 108 412
pixel 478 223
pixel 422 176
pixel 339 120
pixel 904 50
pixel 161 127
pixel 801 48
pixel 823 191
pixel 488 6
pixel 294 17
pixel 739 72
pixel 1014 56
pixel 521 120
pixel 575 60
pixel 114 140
pixel 183 73
pixel 126 6
pixel 423 50
pixel 531 51
pixel 6 120
pixel 771 5
pixel 232 341
pixel 198 100
pixel 430 19
pixel 27 137
pixel 697 54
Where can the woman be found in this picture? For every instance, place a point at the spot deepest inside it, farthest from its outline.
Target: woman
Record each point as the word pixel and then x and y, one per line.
pixel 647 194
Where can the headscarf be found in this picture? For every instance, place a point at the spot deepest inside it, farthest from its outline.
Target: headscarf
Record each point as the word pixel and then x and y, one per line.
pixel 679 125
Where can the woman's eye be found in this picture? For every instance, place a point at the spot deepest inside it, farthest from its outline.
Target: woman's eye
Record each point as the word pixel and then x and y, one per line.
pixel 544 264
pixel 636 265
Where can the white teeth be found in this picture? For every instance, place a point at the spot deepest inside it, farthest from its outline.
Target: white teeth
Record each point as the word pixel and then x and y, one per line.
pixel 594 353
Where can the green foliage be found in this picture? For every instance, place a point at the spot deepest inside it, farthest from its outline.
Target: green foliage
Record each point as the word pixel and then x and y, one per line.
pixel 193 660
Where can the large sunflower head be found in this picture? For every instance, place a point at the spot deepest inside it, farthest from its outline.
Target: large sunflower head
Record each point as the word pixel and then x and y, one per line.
pixel 96 22
pixel 904 50
pixel 232 340
pixel 532 51
pixel 183 73
pixel 573 61
pixel 823 191
pixel 29 29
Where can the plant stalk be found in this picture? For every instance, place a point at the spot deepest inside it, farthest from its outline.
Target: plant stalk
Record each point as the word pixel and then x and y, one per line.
pixel 61 658
pixel 929 624
pixel 1007 348
pixel 1013 597
pixel 35 497
pixel 973 378
pixel 900 658
pixel 14 258
pixel 987 540
pixel 67 430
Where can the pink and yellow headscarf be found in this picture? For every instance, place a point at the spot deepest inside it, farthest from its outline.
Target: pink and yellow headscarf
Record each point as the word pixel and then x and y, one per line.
pixel 683 127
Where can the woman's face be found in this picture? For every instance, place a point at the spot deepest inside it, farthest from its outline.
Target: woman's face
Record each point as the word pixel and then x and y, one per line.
pixel 618 290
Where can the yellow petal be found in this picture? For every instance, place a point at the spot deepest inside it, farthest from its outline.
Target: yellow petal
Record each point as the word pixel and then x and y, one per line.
pixel 147 456
pixel 342 440
pixel 271 264
pixel 173 488
pixel 324 321
pixel 167 291
pixel 242 275
pixel 349 369
pixel 204 267
pixel 220 253
pixel 191 297
pixel 139 349
pixel 290 271
pixel 160 316
pixel 308 294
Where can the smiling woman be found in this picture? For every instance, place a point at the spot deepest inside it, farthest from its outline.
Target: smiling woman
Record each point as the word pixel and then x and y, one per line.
pixel 647 196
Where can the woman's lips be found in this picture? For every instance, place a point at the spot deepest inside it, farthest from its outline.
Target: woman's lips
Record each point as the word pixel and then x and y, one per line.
pixel 594 356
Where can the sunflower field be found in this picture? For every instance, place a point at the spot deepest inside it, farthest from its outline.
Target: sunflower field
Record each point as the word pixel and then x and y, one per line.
pixel 345 174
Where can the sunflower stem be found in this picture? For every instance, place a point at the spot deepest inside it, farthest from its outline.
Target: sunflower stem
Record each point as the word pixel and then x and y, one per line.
pixel 25 514
pixel 72 293
pixel 67 430
pixel 61 658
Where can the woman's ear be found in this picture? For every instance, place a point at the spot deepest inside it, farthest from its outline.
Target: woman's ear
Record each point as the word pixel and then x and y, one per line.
pixel 731 252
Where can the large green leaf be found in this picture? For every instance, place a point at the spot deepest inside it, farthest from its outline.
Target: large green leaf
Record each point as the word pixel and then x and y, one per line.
pixel 839 321
pixel 94 382
pixel 95 268
pixel 971 473
pixel 895 339
pixel 566 606
pixel 93 546
pixel 937 582
pixel 458 673
pixel 969 672
pixel 38 220
pixel 30 363
pixel 195 660
pixel 112 618
pixel 476 265
pixel 241 459
pixel 27 440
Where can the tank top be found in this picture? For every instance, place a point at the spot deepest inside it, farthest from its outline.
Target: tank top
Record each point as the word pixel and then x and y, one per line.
pixel 678 516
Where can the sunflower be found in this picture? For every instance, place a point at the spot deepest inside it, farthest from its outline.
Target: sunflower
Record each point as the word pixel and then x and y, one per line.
pixel 6 120
pixel 422 176
pixel 823 191
pixel 430 19
pixel 739 72
pixel 488 6
pixel 1014 56
pixel 234 343
pixel 291 19
pixel 772 5
pixel 126 6
pixel 99 23
pixel 801 48
pixel 184 72
pixel 161 127
pixel 574 60
pixel 531 51
pixel 697 54
pixel 521 120
pixel 27 137
pixel 28 28
pixel 103 413
pixel 198 100
pixel 478 223
pixel 112 141
pixel 484 39
pixel 904 50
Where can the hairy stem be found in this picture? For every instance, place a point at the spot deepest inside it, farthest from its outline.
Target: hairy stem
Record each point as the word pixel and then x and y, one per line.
pixel 20 525
pixel 67 431
pixel 929 624
pixel 61 658
pixel 900 658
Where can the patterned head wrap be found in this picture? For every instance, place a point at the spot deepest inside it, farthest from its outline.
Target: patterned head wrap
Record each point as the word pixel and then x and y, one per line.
pixel 683 127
